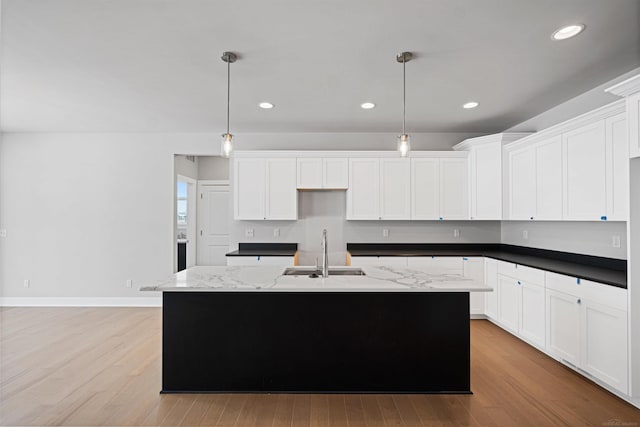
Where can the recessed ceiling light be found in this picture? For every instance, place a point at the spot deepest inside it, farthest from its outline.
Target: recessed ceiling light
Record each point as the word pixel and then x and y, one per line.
pixel 265 105
pixel 471 104
pixel 567 32
pixel 367 105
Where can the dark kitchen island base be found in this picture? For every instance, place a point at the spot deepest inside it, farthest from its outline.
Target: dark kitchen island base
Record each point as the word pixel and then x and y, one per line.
pixel 315 342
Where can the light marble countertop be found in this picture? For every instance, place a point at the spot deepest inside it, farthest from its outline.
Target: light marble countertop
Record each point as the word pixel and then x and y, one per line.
pixel 271 279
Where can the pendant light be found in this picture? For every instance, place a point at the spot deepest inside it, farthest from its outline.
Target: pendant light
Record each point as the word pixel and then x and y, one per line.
pixel 404 142
pixel 227 139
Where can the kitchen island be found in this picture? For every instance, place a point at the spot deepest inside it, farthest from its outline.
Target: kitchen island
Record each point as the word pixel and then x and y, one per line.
pixel 253 329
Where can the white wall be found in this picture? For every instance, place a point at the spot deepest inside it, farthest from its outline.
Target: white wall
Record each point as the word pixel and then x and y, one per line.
pixel 86 212
pixel 589 238
pixel 213 168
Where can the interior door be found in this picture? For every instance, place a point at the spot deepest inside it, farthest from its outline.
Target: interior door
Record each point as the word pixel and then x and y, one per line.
pixel 213 224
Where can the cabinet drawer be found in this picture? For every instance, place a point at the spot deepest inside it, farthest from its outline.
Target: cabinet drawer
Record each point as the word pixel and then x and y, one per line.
pixel 561 283
pixel 391 261
pixel 521 272
pixel 587 289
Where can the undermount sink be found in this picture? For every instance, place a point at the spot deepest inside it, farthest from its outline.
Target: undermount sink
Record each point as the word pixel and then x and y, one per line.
pixel 333 271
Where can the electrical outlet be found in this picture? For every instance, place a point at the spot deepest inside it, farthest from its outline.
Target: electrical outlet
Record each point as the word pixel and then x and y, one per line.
pixel 525 234
pixel 3 232
pixel 615 241
pixel 129 283
pixel 248 232
pixel 385 232
pixel 26 283
pixel 276 232
pixel 456 232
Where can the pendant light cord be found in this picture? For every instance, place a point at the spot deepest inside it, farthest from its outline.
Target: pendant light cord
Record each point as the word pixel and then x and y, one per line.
pixel 404 93
pixel 228 90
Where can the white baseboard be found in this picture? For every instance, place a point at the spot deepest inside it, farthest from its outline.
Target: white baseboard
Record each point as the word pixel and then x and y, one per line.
pixel 81 302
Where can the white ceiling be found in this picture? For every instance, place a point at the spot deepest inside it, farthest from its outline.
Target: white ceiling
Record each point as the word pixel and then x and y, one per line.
pixel 154 66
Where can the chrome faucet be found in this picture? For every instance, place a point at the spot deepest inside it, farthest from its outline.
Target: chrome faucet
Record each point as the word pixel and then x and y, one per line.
pixel 325 255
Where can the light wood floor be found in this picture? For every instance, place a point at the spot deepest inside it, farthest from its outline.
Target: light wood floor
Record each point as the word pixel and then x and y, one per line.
pixel 101 366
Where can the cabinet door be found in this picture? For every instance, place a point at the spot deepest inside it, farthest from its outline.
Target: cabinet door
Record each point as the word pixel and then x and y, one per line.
pixel 508 297
pixel 309 173
pixel 604 344
pixel 454 188
pixel 486 182
pixel 633 115
pixel 532 313
pixel 549 179
pixel 363 195
pixel 522 184
pixel 491 280
pixel 335 173
pixel 425 188
pixel 390 261
pixel 563 326
pixel 282 196
pixel 618 172
pixel 395 182
pixel 249 189
pixel 473 268
pixel 585 171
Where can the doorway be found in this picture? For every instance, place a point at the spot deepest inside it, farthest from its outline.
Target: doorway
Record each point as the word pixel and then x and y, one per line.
pixel 186 222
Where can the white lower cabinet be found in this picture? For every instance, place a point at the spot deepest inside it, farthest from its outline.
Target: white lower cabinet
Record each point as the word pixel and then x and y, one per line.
pixel 587 327
pixel 392 261
pixel 491 280
pixel 604 349
pixel 521 301
pixel 531 323
pixel 508 295
pixel 473 268
pixel 563 326
pixel 285 261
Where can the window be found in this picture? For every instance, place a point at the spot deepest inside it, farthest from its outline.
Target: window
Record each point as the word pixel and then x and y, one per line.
pixel 182 203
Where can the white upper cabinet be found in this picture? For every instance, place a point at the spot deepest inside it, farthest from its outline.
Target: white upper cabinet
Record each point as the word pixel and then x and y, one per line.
pixel 575 171
pixel 309 173
pixel 319 173
pixel 395 183
pixel 618 177
pixel 249 189
pixel 548 180
pixel 585 169
pixel 522 184
pixel 335 173
pixel 633 114
pixel 425 188
pixel 281 194
pixel 265 189
pixel 486 181
pixel 363 195
pixel 440 188
pixel 454 188
pixel 630 89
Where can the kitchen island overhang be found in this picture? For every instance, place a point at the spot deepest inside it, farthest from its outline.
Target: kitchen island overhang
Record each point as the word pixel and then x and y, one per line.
pixel 245 334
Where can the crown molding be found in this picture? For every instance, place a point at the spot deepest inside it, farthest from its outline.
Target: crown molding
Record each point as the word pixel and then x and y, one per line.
pixel 606 111
pixel 626 87
pixel 503 138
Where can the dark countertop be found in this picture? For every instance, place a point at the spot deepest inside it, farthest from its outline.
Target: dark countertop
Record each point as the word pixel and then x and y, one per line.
pixel 609 271
pixel 265 249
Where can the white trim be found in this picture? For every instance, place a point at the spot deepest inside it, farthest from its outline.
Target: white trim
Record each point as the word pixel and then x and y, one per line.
pixel 625 88
pixel 504 138
pixel 601 113
pixel 343 154
pixel 81 301
pixel 221 182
